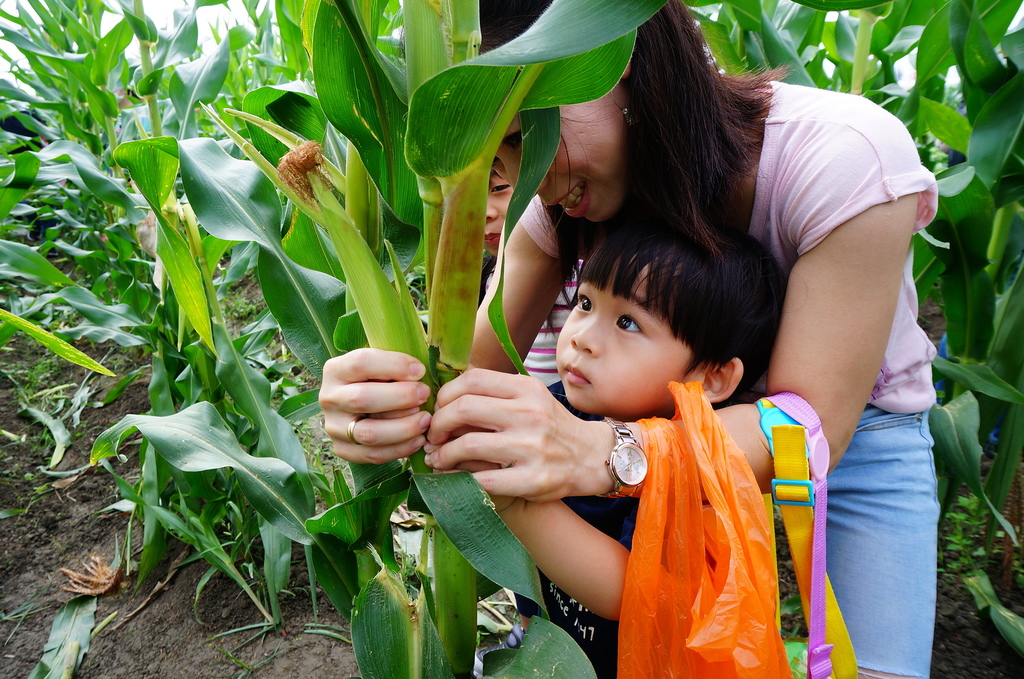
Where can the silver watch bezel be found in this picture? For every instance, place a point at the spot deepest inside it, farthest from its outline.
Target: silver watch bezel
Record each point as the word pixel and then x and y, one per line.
pixel 624 441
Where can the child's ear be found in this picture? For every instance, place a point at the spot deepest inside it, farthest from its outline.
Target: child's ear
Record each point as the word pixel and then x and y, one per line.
pixel 721 382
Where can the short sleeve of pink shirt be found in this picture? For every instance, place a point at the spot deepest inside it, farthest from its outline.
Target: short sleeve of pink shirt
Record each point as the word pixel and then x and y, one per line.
pixel 826 158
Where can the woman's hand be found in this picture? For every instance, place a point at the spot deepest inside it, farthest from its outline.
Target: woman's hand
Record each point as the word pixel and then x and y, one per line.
pixel 371 401
pixel 536 449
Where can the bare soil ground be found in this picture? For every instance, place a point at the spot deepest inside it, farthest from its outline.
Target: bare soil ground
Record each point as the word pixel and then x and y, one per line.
pixel 171 637
pixel 168 637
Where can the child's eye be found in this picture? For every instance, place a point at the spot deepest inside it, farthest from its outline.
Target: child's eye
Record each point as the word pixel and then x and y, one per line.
pixel 500 187
pixel 627 323
pixel 583 303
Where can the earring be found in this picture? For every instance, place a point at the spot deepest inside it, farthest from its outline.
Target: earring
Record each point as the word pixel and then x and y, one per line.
pixel 630 120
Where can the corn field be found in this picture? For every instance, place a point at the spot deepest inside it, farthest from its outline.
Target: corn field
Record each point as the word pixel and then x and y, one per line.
pixel 338 152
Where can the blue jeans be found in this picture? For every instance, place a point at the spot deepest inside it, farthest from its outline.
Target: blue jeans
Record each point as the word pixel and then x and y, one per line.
pixel 882 541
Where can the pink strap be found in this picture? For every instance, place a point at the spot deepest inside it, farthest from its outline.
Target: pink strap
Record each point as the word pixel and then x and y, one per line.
pixel 819 654
pixel 818 457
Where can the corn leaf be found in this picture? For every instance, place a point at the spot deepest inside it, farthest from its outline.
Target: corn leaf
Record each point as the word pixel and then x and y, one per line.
pixel 1009 624
pixel 14 185
pixel 61 437
pixel 277 562
pixel 52 342
pixel 839 5
pixel 946 124
pixel 465 512
pixel 154 164
pixel 21 261
pixel 997 143
pixel 361 97
pixel 198 81
pixel 308 246
pixel 955 429
pixel 289 105
pixel 91 176
pixel 540 143
pixel 547 651
pixel 1007 361
pixel 69 639
pixel 250 392
pixel 456 111
pixel 979 378
pixel 306 303
pixel 393 636
pixel 197 439
pixel 336 572
pixel 964 221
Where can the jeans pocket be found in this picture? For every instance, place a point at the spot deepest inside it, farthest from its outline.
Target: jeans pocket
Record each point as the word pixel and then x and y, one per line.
pixel 890 421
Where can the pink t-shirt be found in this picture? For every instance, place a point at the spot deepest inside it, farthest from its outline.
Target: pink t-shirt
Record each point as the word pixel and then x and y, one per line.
pixel 826 158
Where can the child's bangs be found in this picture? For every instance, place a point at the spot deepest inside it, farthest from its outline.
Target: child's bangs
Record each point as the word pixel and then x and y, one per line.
pixel 649 269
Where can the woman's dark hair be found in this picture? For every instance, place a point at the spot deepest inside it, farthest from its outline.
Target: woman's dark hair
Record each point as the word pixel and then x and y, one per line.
pixel 696 132
pixel 722 306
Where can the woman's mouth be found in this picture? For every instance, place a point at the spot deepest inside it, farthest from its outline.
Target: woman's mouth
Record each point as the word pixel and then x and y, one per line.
pixel 573 203
pixel 492 239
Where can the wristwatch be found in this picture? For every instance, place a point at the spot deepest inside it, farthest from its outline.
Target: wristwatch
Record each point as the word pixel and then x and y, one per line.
pixel 627 463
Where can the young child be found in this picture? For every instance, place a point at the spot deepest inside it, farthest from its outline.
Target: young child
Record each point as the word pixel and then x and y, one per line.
pixel 651 309
pixel 540 360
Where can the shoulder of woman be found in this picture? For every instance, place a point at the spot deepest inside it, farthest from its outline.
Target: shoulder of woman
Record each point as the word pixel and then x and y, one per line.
pixel 796 104
pixel 829 156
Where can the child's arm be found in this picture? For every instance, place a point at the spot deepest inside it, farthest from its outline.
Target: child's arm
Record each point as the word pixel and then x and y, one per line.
pixel 587 564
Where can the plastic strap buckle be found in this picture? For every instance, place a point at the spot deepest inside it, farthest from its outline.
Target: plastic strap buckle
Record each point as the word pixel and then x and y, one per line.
pixel 792 497
pixel 787 408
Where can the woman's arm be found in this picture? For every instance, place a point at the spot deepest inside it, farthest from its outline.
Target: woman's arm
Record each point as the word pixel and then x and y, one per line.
pixel 836 320
pixel 838 315
pixel 589 565
pixel 533 280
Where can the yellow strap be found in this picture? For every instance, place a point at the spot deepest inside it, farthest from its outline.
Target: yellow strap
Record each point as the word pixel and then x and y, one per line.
pixel 790 446
pixel 790 451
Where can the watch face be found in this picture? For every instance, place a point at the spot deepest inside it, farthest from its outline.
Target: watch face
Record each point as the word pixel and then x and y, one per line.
pixel 630 465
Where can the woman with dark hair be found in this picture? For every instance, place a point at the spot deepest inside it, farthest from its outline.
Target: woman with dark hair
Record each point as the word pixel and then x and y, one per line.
pixel 831 184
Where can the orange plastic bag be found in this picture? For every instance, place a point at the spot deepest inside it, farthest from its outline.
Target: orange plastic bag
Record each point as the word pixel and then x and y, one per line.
pixel 699 599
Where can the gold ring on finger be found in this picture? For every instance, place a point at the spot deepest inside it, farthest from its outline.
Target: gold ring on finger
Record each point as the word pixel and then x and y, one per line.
pixel 352 430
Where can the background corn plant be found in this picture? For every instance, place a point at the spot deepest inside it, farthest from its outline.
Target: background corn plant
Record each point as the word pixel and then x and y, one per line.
pixel 406 131
pixel 86 96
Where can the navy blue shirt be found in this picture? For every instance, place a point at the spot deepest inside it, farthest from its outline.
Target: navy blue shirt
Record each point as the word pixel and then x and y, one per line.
pixel 597 636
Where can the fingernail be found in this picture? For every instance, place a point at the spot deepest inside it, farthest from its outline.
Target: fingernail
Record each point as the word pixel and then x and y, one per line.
pixel 430 448
pixel 424 421
pixel 416 371
pixel 422 392
pixel 429 459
